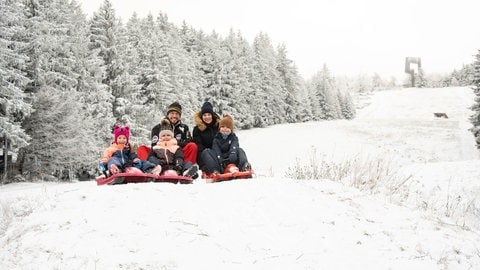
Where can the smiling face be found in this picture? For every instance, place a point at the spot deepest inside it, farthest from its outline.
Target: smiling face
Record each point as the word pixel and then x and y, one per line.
pixel 173 116
pixel 225 130
pixel 122 139
pixel 166 137
pixel 207 118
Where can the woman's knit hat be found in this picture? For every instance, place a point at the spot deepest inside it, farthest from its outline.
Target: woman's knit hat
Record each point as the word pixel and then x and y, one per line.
pixel 121 130
pixel 165 128
pixel 175 106
pixel 207 107
pixel 226 121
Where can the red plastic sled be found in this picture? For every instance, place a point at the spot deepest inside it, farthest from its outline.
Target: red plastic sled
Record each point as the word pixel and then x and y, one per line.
pixel 135 175
pixel 231 173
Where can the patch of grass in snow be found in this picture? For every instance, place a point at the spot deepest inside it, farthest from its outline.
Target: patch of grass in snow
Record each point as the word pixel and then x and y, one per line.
pixel 377 175
pixel 461 206
pixel 367 173
pixel 16 208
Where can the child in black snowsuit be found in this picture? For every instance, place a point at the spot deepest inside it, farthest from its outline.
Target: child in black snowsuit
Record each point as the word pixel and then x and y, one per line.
pixel 225 150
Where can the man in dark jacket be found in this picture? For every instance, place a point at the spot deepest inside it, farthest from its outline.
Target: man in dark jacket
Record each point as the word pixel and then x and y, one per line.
pixel 181 132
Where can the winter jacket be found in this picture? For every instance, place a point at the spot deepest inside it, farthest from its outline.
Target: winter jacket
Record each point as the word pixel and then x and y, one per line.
pixel 203 134
pixel 125 152
pixel 180 131
pixel 167 154
pixel 119 155
pixel 226 148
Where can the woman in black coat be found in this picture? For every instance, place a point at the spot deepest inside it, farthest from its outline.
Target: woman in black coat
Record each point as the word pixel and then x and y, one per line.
pixel 206 127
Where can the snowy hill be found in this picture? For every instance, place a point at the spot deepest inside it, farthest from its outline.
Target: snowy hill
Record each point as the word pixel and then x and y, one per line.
pixel 272 222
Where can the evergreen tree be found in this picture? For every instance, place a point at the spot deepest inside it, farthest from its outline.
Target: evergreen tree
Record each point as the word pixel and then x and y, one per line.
pixel 328 101
pixel 144 74
pixel 269 97
pixel 212 67
pixel 14 106
pixel 96 113
pixel 319 103
pixel 176 64
pixel 231 81
pixel 291 83
pixel 346 105
pixel 106 38
pixel 241 78
pixel 168 88
pixel 475 118
pixel 324 93
pixel 58 138
pixel 462 77
pixel 54 74
pixel 305 113
pixel 192 77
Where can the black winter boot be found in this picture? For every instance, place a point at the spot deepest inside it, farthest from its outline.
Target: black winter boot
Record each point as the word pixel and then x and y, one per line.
pixel 191 172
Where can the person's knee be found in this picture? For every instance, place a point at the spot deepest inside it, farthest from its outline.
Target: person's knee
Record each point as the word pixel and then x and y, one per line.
pixel 190 147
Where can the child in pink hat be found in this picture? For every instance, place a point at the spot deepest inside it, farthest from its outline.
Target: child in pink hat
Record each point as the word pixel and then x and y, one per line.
pixel 120 153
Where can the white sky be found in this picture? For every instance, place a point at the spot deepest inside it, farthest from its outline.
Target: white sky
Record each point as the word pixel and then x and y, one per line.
pixel 271 222
pixel 350 36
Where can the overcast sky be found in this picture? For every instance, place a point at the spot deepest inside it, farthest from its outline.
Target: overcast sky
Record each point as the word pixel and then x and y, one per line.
pixel 350 36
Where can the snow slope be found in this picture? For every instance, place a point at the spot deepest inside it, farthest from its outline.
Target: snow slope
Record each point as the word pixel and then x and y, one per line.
pixel 398 124
pixel 272 222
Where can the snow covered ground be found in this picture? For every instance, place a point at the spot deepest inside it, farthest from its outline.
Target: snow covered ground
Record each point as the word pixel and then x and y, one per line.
pixel 272 222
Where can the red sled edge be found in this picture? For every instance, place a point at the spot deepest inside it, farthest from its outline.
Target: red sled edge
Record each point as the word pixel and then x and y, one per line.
pixel 138 177
pixel 229 176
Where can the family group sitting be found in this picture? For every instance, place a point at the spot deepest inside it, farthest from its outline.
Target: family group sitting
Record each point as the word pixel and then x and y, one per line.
pixel 212 147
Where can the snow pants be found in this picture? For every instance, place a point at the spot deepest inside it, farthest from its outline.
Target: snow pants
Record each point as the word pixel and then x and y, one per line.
pixel 217 163
pixel 117 161
pixel 190 152
pixel 152 161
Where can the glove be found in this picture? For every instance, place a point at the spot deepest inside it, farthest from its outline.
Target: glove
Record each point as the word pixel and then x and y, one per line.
pixel 102 167
pixel 233 157
pixel 178 168
pixel 220 160
pixel 224 163
pixel 138 164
